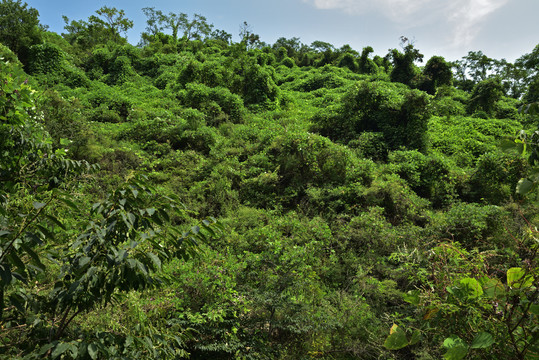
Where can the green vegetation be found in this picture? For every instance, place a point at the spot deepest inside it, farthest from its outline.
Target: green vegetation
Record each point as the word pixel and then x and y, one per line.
pixel 191 197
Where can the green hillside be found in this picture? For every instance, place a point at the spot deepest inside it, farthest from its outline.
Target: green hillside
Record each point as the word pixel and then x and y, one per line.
pixel 194 197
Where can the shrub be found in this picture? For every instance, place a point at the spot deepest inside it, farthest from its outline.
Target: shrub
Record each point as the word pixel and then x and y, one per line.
pixel 9 56
pixel 45 59
pixel 205 99
pixel 108 103
pixel 318 80
pixel 392 109
pixel 393 195
pixel 259 87
pixel 304 158
pixel 496 176
pixel 430 176
pixel 371 145
pixel 472 225
pixel 484 96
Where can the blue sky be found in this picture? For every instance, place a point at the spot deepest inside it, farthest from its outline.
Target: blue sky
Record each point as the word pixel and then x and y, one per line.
pixel 450 28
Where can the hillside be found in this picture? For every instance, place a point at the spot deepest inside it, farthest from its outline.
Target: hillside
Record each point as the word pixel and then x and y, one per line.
pixel 195 197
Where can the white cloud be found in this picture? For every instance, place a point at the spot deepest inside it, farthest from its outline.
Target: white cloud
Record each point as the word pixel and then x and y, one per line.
pixel 461 19
pixel 467 17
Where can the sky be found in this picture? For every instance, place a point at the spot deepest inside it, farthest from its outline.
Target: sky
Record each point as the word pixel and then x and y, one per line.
pixel 450 28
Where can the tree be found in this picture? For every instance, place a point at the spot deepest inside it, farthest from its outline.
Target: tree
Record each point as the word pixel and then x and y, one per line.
pixel 154 21
pixel 478 65
pixel 221 35
pixel 118 246
pixel 366 65
pixel 292 45
pixel 248 38
pixel 485 94
pixel 195 29
pixel 19 27
pixel 97 30
pixel 404 69
pixel 113 20
pixel 437 72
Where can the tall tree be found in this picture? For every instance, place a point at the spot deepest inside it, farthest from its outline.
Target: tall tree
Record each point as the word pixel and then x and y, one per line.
pixel 478 65
pixel 196 28
pixel 248 38
pixel 19 27
pixel 110 24
pixel 404 69
pixel 485 94
pixel 154 21
pixel 437 73
pixel 292 45
pixel 113 20
pixel 366 65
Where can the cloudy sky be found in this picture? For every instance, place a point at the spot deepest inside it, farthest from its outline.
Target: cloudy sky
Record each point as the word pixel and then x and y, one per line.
pixel 450 28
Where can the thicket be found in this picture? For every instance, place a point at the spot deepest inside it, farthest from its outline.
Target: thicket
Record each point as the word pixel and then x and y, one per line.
pixel 194 197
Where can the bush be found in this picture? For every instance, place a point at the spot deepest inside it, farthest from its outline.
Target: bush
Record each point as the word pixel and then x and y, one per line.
pixel 217 103
pixel 107 103
pixel 317 80
pixel 304 158
pixel 9 56
pixel 259 87
pixel 393 195
pixel 430 176
pixel 45 59
pixel 472 225
pixel 371 145
pixel 496 176
pixel 392 109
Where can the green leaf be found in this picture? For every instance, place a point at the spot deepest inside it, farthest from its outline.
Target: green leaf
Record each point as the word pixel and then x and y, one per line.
pixel 60 349
pixel 155 259
pixel 16 260
pixel 494 289
pixel 534 309
pixel 456 348
pixel 482 340
pixel 16 301
pixel 5 274
pixel 55 221
pixel 46 233
pixel 33 255
pixel 524 186
pixel 128 341
pixel 471 287
pixel 84 261
pixel 45 348
pixel 508 144
pixel 456 353
pixel 453 341
pixel 4 233
pixel 412 297
pixel 396 339
pixel 69 203
pixel 92 351
pixel 416 337
pixel 131 217
pixel 517 278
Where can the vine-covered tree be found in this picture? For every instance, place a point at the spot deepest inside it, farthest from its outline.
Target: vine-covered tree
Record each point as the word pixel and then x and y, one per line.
pixel 484 96
pixel 404 69
pixel 437 73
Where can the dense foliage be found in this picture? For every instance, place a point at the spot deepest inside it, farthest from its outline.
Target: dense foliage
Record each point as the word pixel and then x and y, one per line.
pixel 196 197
